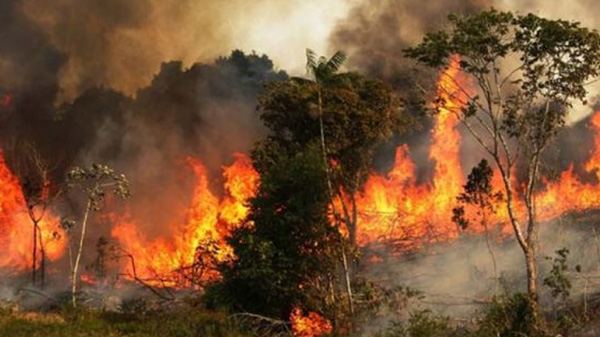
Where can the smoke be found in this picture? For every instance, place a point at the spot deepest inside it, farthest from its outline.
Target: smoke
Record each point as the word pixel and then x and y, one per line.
pixel 94 81
pixel 205 111
pixel 457 278
pixel 374 34
pixel 120 44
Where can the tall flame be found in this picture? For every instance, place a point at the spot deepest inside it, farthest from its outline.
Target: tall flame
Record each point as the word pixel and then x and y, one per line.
pixel 16 228
pixel 208 221
pixel 394 207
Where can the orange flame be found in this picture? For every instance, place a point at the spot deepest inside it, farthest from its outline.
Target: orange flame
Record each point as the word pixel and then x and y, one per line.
pixel 394 207
pixel 310 325
pixel 208 220
pixel 16 228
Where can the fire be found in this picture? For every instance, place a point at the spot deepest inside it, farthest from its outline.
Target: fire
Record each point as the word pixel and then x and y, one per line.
pixel 568 193
pixel 208 221
pixel 16 228
pixel 394 207
pixel 310 325
pixel 240 182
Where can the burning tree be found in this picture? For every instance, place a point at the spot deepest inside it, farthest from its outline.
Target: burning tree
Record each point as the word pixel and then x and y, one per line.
pixel 527 71
pixel 285 250
pixel 345 115
pixel 33 172
pixel 94 181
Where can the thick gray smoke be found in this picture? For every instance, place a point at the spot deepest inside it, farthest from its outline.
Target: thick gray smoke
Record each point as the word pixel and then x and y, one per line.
pixel 457 278
pixel 375 33
pixel 120 44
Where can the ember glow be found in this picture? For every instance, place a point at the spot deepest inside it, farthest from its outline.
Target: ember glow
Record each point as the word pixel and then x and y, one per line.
pixel 6 101
pixel 310 325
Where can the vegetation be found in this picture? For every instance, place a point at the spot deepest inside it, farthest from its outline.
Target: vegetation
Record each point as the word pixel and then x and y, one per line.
pixel 515 114
pixel 297 248
pixel 478 193
pixel 94 183
pixel 346 114
pixel 286 249
pixel 92 323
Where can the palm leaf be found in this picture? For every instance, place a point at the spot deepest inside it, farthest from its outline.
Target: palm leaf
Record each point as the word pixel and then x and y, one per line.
pixel 336 61
pixel 311 61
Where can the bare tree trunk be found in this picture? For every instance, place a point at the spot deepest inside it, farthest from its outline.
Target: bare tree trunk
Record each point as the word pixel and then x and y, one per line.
pixel 34 254
pixel 532 274
pixel 530 253
pixel 347 278
pixel 526 243
pixel 331 197
pixel 42 260
pixel 74 277
pixel 490 249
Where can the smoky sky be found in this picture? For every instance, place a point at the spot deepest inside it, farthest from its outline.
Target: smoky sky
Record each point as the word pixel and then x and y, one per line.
pixel 374 34
pixel 135 84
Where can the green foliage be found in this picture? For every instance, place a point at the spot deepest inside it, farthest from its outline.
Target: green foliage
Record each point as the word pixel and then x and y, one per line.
pixel 321 68
pixel 557 56
pixel 477 191
pixel 555 60
pixel 182 322
pixel 421 324
pixel 358 113
pixel 558 280
pixel 508 317
pixel 285 248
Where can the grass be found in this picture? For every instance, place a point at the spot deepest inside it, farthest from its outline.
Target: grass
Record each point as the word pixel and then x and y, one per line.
pixel 92 323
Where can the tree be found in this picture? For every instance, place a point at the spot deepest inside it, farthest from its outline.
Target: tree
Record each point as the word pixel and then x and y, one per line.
pixel 286 249
pixel 347 115
pixel 33 172
pixel 526 71
pixel 478 193
pixel 95 181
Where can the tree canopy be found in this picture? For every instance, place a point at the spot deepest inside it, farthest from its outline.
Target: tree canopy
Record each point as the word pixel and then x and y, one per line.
pixel 523 73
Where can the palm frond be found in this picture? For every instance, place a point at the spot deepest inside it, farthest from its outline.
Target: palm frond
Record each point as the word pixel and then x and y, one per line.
pixel 322 68
pixel 311 61
pixel 336 61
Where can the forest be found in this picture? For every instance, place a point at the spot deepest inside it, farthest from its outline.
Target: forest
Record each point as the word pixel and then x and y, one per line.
pixel 442 184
